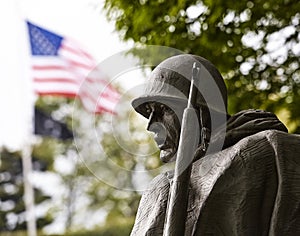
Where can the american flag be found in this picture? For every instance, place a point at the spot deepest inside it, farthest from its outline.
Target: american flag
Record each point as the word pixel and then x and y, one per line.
pixel 61 67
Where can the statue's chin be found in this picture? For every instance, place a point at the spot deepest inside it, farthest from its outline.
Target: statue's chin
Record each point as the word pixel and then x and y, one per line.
pixel 168 155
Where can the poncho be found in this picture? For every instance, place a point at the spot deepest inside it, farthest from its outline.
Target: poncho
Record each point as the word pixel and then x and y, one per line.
pixel 251 187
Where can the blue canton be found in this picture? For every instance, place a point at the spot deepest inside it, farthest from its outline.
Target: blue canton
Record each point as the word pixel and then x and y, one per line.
pixel 43 42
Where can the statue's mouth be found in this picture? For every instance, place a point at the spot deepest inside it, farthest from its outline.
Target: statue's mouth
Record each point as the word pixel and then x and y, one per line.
pixel 166 146
pixel 167 151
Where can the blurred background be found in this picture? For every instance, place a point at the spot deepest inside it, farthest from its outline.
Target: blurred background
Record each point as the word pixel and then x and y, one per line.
pixel 255 45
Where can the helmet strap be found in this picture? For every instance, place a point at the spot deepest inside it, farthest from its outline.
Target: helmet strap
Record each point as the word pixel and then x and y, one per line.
pixel 204 133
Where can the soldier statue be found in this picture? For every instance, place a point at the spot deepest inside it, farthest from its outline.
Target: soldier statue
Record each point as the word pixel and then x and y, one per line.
pixel 245 169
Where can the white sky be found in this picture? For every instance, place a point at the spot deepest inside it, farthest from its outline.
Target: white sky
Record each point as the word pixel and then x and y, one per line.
pixel 81 20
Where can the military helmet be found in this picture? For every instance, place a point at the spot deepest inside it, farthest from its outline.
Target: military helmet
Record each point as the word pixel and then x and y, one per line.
pixel 169 83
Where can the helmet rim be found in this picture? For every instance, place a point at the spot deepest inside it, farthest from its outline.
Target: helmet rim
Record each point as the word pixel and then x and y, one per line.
pixel 169 81
pixel 139 104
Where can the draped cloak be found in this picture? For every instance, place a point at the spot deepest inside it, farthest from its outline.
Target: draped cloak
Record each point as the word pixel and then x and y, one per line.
pixel 251 187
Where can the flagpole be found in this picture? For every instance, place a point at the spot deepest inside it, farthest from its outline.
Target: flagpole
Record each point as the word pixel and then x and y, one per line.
pixel 28 190
pixel 27 109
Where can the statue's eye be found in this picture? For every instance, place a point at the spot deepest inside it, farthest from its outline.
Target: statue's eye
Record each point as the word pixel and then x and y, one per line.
pixel 166 109
pixel 148 108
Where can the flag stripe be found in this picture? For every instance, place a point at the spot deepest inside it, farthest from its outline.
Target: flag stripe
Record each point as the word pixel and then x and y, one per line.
pixel 75 50
pixel 56 87
pixel 91 104
pixel 57 93
pixel 54 74
pixel 55 80
pixel 48 67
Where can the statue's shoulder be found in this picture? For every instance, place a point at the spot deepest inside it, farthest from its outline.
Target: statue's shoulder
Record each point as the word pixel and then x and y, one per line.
pixel 161 181
pixel 279 135
pixel 274 139
pixel 152 208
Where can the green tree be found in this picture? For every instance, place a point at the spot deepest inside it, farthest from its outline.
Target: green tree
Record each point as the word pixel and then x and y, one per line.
pixel 255 44
pixel 87 200
pixel 12 209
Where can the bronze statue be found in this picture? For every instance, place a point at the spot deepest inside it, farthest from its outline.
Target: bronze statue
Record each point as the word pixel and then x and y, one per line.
pixel 244 174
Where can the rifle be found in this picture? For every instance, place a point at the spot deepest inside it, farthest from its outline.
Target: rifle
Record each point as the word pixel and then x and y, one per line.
pixel 188 142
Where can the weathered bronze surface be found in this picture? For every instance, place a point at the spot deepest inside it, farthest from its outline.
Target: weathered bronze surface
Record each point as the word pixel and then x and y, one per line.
pixel 251 186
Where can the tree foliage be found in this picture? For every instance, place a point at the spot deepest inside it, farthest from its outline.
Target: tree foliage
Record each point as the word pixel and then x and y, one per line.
pixel 12 208
pixel 80 201
pixel 112 187
pixel 255 44
pixel 87 200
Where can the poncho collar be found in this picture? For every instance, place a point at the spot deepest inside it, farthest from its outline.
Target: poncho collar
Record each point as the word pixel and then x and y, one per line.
pixel 249 122
pixel 241 125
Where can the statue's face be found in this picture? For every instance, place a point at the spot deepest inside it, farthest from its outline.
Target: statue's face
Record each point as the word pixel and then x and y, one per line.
pixel 165 122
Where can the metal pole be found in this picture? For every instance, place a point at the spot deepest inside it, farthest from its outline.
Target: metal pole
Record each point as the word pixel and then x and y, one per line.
pixel 28 191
